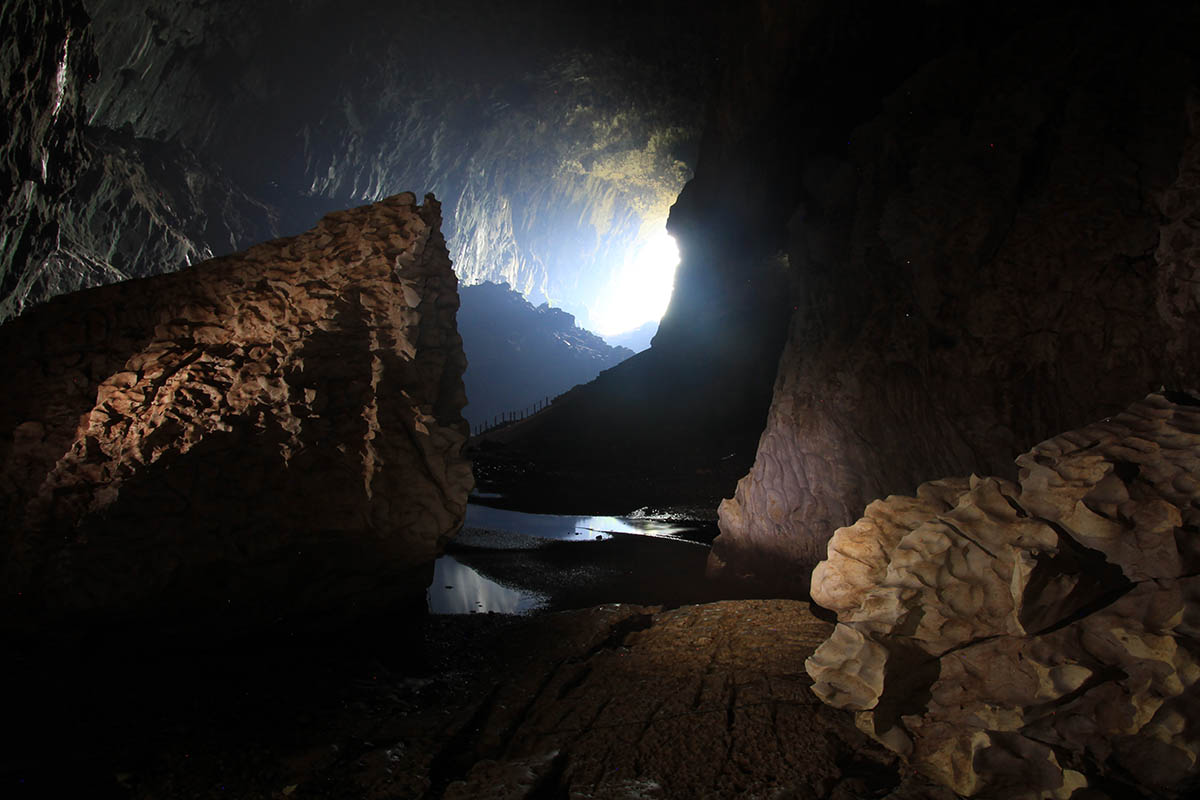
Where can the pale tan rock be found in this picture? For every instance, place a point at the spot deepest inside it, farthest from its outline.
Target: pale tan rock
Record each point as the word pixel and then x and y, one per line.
pixel 277 431
pixel 1027 641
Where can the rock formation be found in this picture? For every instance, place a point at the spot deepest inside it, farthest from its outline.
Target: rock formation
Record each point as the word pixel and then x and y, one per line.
pixel 271 433
pixel 1028 639
pixel 45 50
pixel 87 205
pixel 699 701
pixel 545 126
pixel 1005 250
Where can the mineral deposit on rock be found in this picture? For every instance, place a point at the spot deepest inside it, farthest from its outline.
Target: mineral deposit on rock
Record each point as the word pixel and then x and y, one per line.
pixel 1025 640
pixel 271 433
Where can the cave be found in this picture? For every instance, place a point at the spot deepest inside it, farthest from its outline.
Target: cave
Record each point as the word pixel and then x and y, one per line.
pixel 618 400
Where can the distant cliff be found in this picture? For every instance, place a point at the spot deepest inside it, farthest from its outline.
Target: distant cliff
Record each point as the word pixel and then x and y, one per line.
pixel 518 355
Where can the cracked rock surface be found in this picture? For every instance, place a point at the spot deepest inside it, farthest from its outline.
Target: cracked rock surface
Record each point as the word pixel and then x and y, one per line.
pixel 1036 638
pixel 272 433
pixel 700 701
pixel 615 701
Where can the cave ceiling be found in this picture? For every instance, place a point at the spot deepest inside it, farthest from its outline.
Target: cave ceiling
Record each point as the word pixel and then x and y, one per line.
pixel 556 134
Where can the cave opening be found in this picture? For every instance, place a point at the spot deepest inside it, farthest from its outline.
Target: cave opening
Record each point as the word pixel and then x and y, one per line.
pixel 537 399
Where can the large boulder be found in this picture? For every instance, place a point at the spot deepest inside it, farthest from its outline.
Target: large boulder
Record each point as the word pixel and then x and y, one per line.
pixel 1030 639
pixel 274 433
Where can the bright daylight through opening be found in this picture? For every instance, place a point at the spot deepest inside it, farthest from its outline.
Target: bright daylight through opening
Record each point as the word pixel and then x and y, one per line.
pixel 641 289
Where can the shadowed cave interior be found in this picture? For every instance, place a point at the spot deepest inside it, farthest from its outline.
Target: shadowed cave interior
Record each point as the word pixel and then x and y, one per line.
pixel 790 399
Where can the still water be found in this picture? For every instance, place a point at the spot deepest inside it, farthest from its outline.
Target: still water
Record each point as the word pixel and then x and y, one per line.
pixel 616 557
pixel 458 589
pixel 569 528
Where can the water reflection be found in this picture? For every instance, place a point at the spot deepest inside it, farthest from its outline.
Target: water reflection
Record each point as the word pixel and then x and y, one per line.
pixel 556 526
pixel 458 589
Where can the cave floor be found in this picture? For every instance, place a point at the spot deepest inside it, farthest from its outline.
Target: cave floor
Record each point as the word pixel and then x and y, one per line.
pixel 614 701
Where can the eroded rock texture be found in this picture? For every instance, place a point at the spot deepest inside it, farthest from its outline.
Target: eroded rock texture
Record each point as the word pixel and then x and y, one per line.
pixel 275 432
pixel 554 131
pixel 87 205
pixel 1005 251
pixel 699 701
pixel 45 58
pixel 1028 639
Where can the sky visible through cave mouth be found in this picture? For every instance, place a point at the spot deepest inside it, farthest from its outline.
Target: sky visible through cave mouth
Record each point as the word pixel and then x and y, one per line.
pixel 641 287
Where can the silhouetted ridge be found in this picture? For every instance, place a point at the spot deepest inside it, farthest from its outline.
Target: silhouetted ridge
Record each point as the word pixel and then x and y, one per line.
pixel 518 355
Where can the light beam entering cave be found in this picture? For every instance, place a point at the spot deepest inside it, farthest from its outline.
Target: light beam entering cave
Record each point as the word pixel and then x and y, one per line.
pixel 641 288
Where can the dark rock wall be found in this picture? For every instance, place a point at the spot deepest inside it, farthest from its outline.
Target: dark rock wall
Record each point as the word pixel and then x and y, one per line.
pixel 89 205
pixel 45 58
pixel 138 208
pixel 1004 250
pixel 275 433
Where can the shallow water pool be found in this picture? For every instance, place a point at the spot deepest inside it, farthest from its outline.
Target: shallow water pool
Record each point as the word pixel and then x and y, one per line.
pixel 458 589
pixel 563 527
pixel 510 562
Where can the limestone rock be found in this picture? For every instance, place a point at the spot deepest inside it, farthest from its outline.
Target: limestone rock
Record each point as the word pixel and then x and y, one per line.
pixel 46 56
pixel 698 701
pixel 1028 639
pixel 999 253
pixel 274 432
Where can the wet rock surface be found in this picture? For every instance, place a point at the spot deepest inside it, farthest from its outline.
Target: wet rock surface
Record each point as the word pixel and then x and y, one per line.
pixel 275 433
pixel 1003 251
pixel 1032 639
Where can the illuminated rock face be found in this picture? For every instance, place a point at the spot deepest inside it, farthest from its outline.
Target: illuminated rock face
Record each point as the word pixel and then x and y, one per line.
pixel 1025 639
pixel 549 142
pixel 1000 254
pixel 210 442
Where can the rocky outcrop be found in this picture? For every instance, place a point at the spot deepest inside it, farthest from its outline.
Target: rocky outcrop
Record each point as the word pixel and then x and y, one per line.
pixel 271 433
pixel 1001 253
pixel 1029 639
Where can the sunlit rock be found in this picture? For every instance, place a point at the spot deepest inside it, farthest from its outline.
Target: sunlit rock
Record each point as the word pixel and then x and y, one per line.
pixel 1027 639
pixel 272 433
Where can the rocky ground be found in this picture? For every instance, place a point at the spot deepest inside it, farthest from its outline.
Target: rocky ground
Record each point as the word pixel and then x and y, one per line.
pixel 613 701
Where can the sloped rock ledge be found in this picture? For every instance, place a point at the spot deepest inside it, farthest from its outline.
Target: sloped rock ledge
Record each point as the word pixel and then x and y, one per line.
pixel 1032 639
pixel 275 433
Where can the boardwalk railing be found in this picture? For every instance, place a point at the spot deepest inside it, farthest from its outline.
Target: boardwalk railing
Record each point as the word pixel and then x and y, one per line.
pixel 508 417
